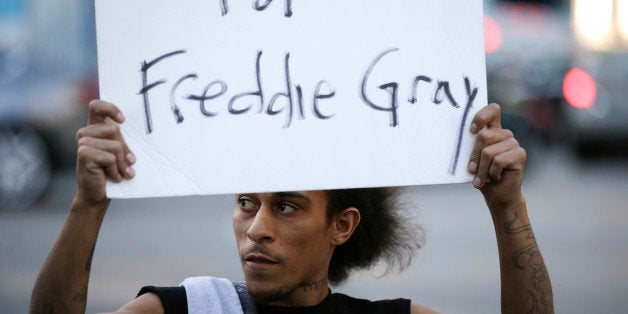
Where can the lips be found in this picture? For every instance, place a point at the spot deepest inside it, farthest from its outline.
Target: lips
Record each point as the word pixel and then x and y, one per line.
pixel 259 258
pixel 259 261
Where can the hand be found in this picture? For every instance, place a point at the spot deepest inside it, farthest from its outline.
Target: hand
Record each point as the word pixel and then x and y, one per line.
pixel 497 160
pixel 102 153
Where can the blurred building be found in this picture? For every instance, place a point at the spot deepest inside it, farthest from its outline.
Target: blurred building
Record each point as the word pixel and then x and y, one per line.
pixel 596 87
pixel 528 46
pixel 560 69
pixel 47 72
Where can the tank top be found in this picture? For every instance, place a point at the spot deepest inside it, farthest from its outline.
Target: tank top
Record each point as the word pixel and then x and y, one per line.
pixel 175 300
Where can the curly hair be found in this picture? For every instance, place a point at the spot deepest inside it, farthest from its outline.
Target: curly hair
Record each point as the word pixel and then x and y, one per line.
pixel 382 234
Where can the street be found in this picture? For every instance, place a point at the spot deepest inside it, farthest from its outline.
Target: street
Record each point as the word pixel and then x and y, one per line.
pixel 578 209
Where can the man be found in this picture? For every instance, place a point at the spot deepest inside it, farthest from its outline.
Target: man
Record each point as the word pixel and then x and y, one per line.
pixel 293 244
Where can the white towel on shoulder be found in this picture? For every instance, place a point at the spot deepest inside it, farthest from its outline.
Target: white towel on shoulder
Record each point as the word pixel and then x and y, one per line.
pixel 207 295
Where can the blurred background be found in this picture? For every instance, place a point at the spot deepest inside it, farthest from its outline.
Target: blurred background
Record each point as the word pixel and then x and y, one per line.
pixel 558 68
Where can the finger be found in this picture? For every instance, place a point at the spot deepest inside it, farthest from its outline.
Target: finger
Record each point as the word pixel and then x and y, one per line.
pixel 113 147
pixel 100 110
pixel 487 157
pixel 486 138
pixel 489 116
pixel 94 159
pixel 107 131
pixel 513 159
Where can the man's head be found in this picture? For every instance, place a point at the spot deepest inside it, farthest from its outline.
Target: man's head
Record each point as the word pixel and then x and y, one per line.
pixel 291 243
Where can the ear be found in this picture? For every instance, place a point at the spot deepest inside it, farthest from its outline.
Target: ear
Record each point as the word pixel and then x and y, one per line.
pixel 344 223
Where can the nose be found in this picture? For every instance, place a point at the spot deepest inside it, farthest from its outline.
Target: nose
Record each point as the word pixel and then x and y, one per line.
pixel 261 229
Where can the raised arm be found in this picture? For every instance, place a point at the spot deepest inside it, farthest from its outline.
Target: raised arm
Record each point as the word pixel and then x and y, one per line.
pixel 62 283
pixel 498 163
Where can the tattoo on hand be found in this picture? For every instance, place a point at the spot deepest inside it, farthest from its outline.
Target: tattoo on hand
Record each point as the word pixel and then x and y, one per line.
pixel 315 286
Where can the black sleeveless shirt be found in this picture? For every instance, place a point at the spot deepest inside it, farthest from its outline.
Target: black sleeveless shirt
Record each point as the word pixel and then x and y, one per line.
pixel 174 300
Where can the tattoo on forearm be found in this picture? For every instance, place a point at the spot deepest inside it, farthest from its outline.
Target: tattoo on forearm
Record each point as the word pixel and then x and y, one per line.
pixel 81 296
pixel 530 256
pixel 88 263
pixel 315 286
pixel 509 227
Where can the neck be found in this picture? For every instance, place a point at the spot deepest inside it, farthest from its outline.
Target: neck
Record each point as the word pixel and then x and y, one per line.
pixel 309 294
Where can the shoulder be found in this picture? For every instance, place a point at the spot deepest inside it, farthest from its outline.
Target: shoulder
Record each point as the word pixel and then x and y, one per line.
pixel 416 308
pixel 147 303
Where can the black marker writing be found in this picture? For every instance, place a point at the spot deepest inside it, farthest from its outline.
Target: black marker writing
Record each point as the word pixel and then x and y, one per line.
pixel 290 100
pixel 258 5
pixel 442 92
pixel 173 105
pixel 204 97
pixel 224 7
pixel 300 101
pixel 146 87
pixel 392 89
pixel 415 85
pixel 470 99
pixel 257 93
pixel 287 102
pixel 438 95
pixel 318 95
pixel 287 94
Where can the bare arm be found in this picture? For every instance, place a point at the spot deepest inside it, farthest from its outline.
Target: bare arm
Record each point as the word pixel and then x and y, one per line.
pixel 61 286
pixel 525 281
pixel 62 283
pixel 498 163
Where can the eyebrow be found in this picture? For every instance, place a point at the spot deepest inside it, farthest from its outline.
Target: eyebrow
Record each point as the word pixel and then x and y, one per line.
pixel 292 195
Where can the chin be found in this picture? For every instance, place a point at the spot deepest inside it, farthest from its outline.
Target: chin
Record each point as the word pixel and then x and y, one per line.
pixel 266 293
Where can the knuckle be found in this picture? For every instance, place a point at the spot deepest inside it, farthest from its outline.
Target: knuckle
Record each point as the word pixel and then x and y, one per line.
pixel 508 133
pixel 500 161
pixel 83 152
pixel 523 153
pixel 482 117
pixel 484 137
pixel 80 133
pixel 496 107
pixel 514 142
pixel 487 154
pixel 112 129
pixel 494 170
pixel 83 141
pixel 109 159
pixel 94 105
pixel 117 146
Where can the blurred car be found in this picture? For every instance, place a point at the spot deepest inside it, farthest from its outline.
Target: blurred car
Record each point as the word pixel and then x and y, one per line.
pixel 596 87
pixel 528 46
pixel 47 74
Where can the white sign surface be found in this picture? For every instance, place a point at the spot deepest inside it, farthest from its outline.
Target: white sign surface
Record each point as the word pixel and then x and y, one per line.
pixel 225 96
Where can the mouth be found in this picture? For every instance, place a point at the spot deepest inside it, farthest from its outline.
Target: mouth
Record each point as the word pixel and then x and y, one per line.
pixel 259 261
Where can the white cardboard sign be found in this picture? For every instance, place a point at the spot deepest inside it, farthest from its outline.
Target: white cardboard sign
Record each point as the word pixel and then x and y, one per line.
pixel 226 96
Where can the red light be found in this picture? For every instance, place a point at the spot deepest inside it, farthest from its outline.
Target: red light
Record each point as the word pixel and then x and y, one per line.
pixel 493 36
pixel 579 89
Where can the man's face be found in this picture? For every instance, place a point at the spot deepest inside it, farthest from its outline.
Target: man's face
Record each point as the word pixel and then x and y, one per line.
pixel 284 242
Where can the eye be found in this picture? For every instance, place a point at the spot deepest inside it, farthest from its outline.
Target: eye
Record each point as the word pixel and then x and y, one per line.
pixel 246 204
pixel 286 208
